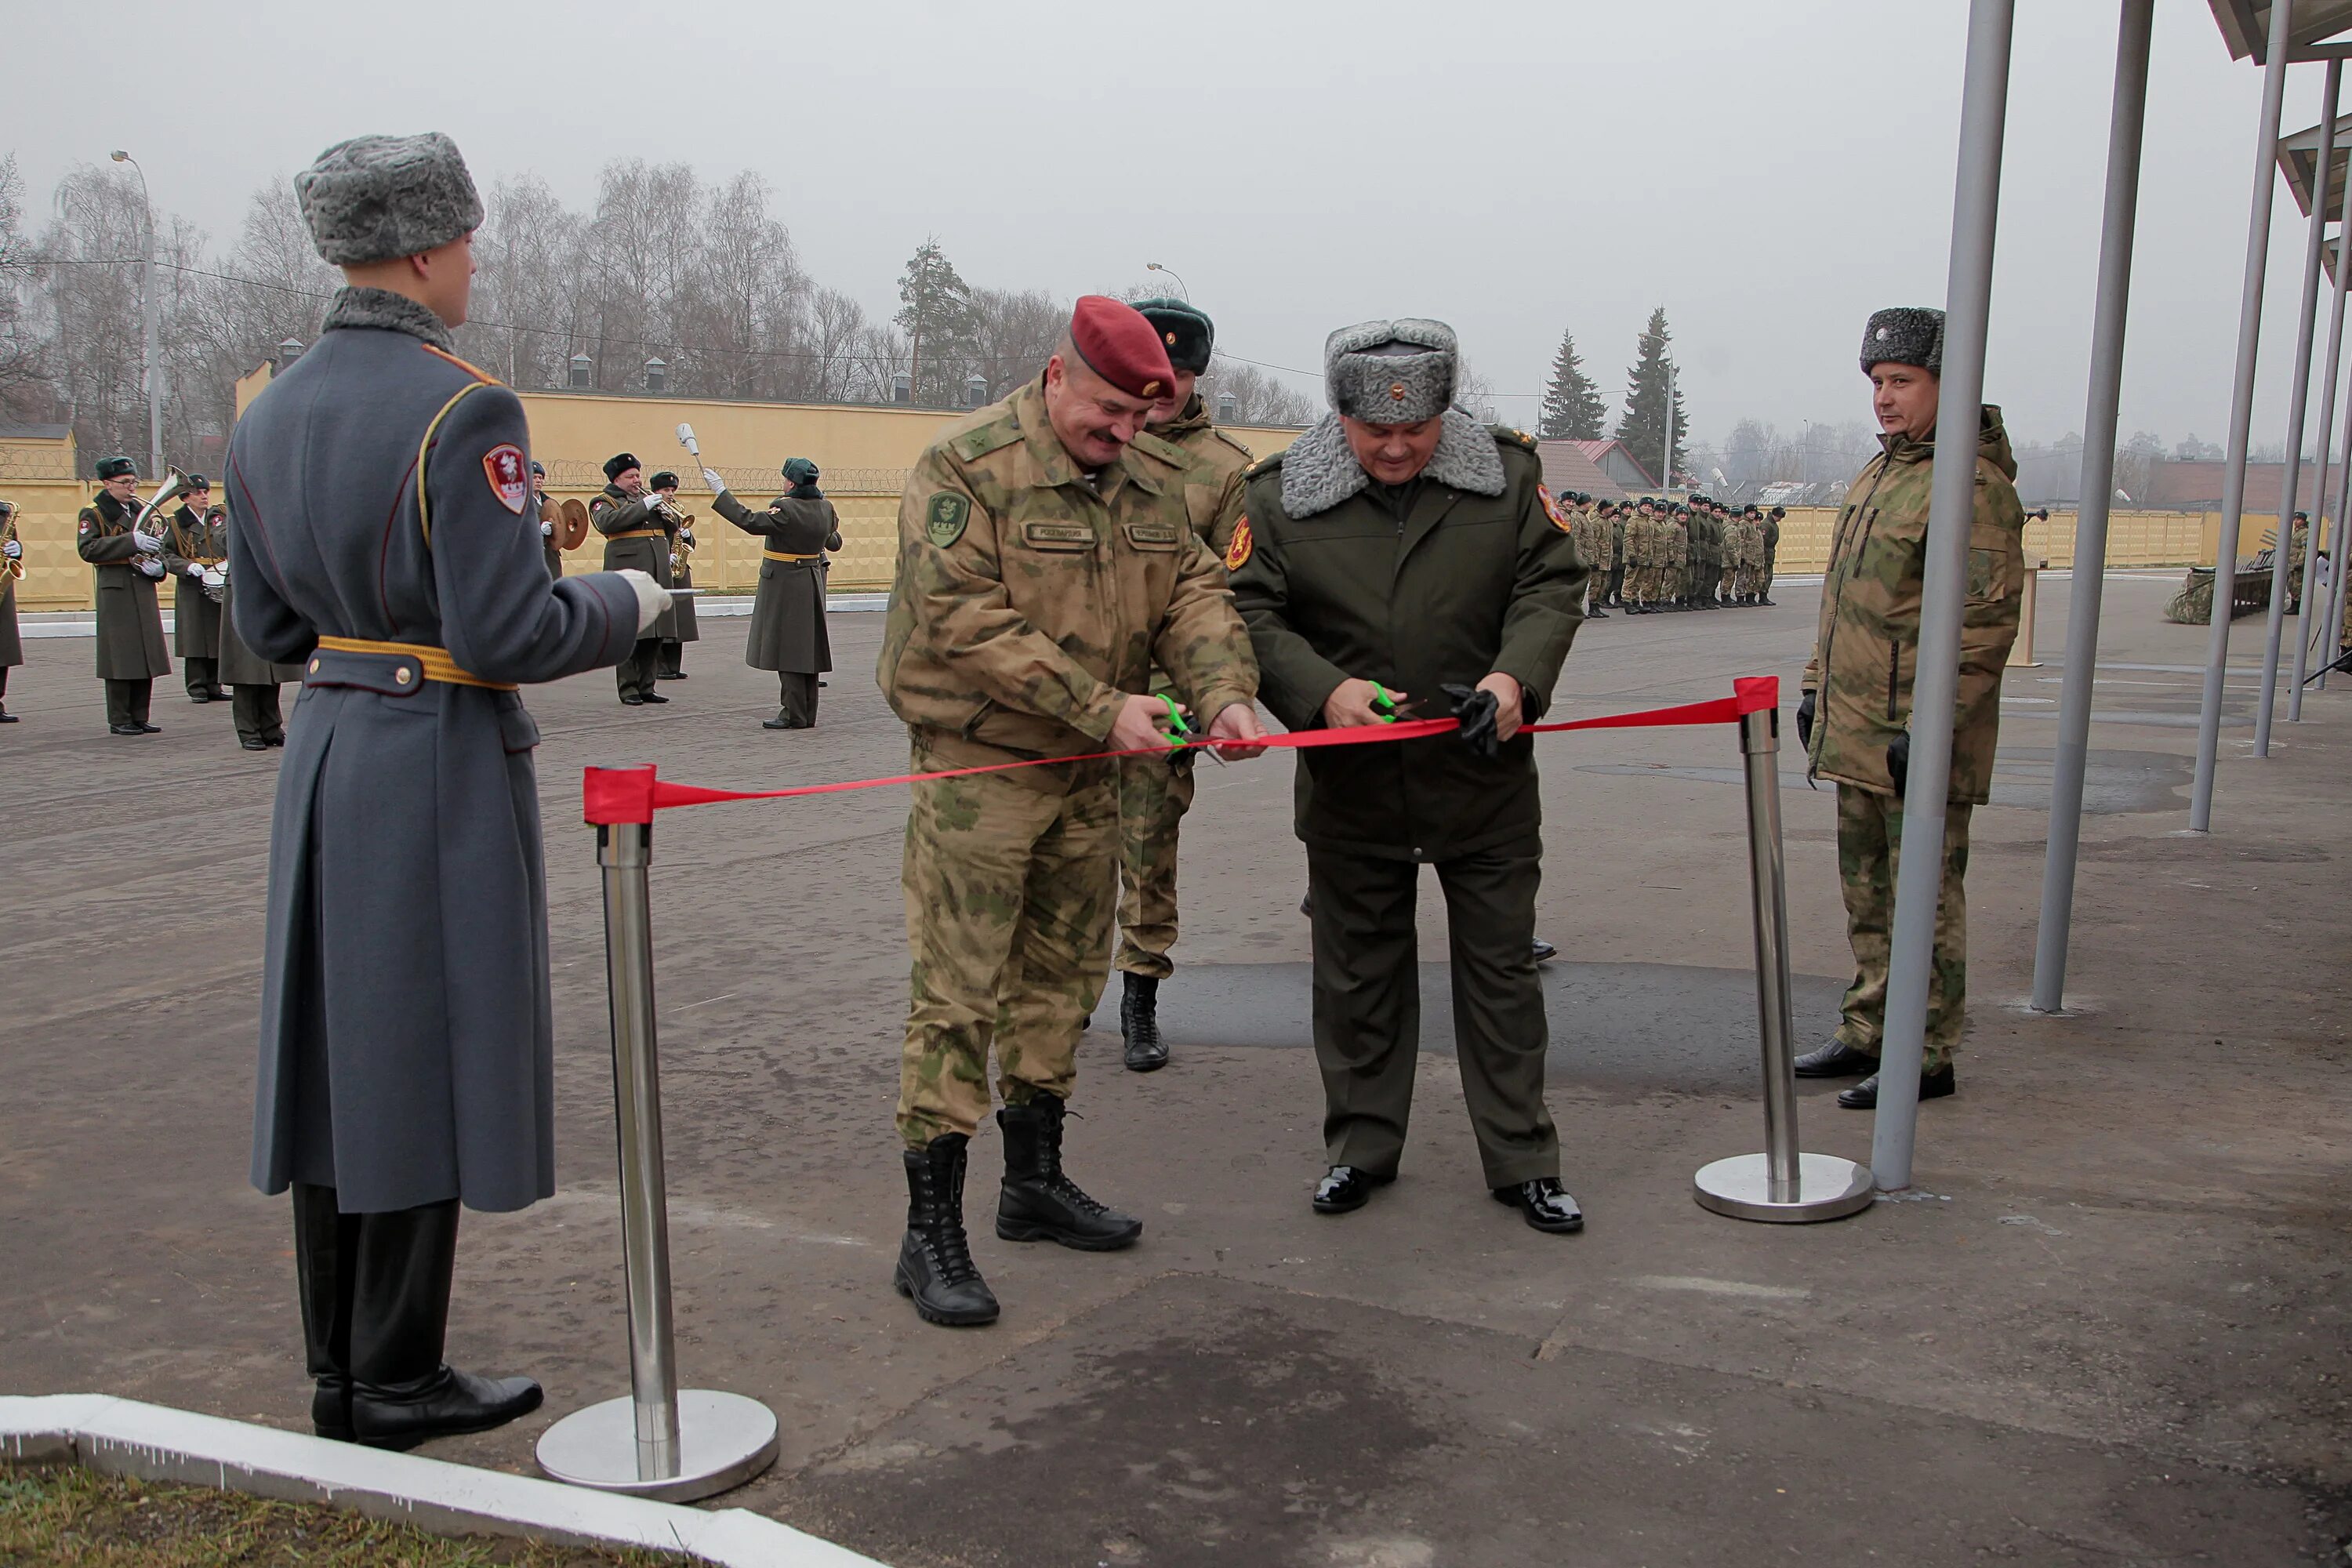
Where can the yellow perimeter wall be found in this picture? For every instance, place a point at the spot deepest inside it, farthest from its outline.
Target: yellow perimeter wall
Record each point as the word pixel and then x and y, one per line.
pixel 865 452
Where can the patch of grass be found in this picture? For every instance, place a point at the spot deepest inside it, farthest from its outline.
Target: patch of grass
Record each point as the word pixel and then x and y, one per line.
pixel 66 1517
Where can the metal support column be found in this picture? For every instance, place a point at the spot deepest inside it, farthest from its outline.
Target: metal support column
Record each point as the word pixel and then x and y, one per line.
pixel 657 1442
pixel 2342 557
pixel 1780 1183
pixel 1951 512
pixel 2298 403
pixel 2334 376
pixel 2117 231
pixel 2241 415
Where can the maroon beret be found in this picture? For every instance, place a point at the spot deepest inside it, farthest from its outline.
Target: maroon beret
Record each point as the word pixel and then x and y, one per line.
pixel 1120 346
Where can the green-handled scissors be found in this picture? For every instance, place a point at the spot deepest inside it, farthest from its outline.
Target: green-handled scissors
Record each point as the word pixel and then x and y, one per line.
pixel 1383 704
pixel 1179 733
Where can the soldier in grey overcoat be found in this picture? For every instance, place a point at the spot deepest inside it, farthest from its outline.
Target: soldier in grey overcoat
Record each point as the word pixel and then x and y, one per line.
pixel 788 632
pixel 131 652
pixel 634 541
pixel 195 539
pixel 12 647
pixel 381 532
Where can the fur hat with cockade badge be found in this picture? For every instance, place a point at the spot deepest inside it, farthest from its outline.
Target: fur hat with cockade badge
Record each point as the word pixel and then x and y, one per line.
pixel 1905 334
pixel 378 199
pixel 1391 373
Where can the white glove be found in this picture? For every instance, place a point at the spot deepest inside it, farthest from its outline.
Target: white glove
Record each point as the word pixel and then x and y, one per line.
pixel 652 597
pixel 215 576
pixel 547 531
pixel 12 550
pixel 718 486
pixel 145 541
pixel 196 572
pixel 152 568
pixel 687 535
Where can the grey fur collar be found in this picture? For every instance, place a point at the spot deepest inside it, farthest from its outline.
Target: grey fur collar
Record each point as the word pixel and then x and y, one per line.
pixel 1318 471
pixel 388 311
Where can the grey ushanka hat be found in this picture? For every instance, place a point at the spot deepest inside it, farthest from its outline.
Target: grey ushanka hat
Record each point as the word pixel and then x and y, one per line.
pixel 377 198
pixel 1905 334
pixel 1390 372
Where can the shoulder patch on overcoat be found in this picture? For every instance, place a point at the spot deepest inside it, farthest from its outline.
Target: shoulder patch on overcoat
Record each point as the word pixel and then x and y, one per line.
pixel 944 517
pixel 1237 553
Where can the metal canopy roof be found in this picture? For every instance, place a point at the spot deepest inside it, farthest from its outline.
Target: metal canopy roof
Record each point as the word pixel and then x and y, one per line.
pixel 2246 28
pixel 2298 160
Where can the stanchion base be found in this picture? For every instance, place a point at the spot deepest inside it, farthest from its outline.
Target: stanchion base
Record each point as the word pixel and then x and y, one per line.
pixel 1741 1186
pixel 723 1440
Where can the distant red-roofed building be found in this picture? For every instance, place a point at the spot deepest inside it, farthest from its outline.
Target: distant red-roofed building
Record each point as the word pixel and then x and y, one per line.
pixel 1566 467
pixel 1616 459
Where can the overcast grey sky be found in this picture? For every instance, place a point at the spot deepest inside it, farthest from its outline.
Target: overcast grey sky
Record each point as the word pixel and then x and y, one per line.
pixel 1767 169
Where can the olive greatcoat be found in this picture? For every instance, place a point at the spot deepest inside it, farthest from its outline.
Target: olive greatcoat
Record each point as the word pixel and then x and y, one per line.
pixel 239 665
pixel 129 626
pixel 408 1055
pixel 192 540
pixel 12 647
pixel 788 630
pixel 616 511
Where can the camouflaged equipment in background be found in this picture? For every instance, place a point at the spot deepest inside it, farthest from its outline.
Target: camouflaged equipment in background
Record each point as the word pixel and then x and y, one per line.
pixel 1030 603
pixel 1866 649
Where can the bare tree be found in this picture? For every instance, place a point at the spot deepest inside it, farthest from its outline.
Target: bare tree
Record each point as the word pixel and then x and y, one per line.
pixel 526 285
pixel 23 366
pixel 1014 332
pixel 1258 398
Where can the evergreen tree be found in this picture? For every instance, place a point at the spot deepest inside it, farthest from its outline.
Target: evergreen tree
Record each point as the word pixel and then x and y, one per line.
pixel 1572 409
pixel 1642 427
pixel 935 312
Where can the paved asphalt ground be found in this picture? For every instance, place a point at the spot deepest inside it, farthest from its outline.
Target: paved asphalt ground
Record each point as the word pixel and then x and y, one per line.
pixel 2107 1327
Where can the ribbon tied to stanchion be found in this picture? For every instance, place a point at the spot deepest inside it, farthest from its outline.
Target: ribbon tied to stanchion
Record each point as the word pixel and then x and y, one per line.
pixel 633 795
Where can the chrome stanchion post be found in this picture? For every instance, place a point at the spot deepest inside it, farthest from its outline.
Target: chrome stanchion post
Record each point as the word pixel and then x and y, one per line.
pixel 1781 1183
pixel 658 1442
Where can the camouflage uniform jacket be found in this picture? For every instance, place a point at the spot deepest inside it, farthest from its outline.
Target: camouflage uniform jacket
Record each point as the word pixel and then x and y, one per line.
pixel 1866 651
pixel 1208 465
pixel 1029 603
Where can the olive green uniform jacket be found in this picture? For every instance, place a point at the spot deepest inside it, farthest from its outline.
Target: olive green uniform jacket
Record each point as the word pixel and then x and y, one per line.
pixel 1031 600
pixel 129 626
pixel 1866 650
pixel 1463 572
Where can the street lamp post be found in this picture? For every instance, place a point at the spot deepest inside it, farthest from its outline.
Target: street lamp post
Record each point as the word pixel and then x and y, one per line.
pixel 1155 267
pixel 151 318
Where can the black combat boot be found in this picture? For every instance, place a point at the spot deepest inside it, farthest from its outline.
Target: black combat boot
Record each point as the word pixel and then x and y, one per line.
pixel 935 1268
pixel 1139 1020
pixel 1039 1203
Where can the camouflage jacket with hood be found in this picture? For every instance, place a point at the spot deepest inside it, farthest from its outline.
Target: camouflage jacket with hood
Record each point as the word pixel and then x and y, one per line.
pixel 1866 651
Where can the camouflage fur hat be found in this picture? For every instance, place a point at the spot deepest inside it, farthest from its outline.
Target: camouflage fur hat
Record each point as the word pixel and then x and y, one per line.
pixel 378 199
pixel 1391 373
pixel 1905 334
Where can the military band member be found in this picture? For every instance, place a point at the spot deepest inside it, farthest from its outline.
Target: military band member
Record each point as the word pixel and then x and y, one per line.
pixel 1043 568
pixel 252 680
pixel 1401 553
pixel 549 537
pixel 679 528
pixel 381 532
pixel 1855 716
pixel 634 541
pixel 1154 792
pixel 196 543
pixel 129 565
pixel 12 565
pixel 788 631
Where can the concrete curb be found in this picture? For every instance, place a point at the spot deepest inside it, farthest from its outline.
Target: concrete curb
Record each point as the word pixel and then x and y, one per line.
pixel 151 1442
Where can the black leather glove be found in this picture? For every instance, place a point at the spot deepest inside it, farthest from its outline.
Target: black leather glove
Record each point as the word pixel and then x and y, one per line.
pixel 1898 761
pixel 1805 722
pixel 1476 710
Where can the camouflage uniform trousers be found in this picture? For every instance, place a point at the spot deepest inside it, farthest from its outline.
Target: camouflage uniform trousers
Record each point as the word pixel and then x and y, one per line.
pixel 1010 883
pixel 1870 838
pixel 1154 796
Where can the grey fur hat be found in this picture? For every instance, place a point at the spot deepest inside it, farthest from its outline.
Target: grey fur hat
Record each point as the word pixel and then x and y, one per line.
pixel 1905 334
pixel 1391 373
pixel 377 198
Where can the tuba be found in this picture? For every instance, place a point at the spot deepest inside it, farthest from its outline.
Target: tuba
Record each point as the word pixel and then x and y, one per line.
pixel 170 490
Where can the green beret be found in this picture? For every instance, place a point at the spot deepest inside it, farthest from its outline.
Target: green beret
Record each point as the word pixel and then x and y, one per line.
pixel 1184 330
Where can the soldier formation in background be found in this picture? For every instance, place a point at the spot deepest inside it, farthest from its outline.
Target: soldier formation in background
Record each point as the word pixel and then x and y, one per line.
pixel 1651 556
pixel 1854 718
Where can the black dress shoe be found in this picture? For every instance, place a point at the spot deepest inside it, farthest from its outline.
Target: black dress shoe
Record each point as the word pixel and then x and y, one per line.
pixel 673 675
pixel 147 729
pixel 1544 1204
pixel 1344 1189
pixel 1545 950
pixel 200 696
pixel 444 1403
pixel 1863 1096
pixel 125 730
pixel 1596 614
pixel 255 745
pixel 278 739
pixel 1836 1059
pixel 330 1407
pixel 632 701
pixel 652 697
pixel 8 718
pixel 220 694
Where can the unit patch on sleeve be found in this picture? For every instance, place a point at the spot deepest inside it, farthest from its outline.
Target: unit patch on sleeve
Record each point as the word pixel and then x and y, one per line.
pixel 1551 509
pixel 944 516
pixel 1237 553
pixel 509 475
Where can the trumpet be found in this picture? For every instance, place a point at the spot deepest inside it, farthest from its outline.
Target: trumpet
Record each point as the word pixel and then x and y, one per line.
pixel 11 570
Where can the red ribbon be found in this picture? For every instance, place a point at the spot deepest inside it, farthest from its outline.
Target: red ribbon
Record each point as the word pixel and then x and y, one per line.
pixel 633 794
